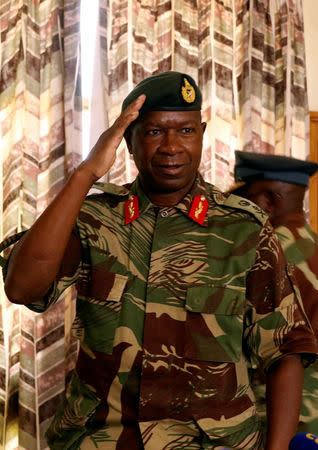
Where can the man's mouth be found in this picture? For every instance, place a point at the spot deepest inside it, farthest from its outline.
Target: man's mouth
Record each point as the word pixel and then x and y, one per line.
pixel 170 169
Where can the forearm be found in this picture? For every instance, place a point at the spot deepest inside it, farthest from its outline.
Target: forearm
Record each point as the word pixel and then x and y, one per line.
pixel 36 259
pixel 283 395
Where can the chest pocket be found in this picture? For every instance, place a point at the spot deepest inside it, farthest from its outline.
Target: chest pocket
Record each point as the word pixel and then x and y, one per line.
pixel 214 323
pixel 98 317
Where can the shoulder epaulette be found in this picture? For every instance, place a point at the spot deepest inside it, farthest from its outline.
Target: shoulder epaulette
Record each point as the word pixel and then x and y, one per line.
pixel 111 188
pixel 234 201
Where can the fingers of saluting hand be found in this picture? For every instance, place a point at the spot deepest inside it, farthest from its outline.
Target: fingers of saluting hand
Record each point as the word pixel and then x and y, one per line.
pixel 129 115
pixel 112 137
pixel 103 154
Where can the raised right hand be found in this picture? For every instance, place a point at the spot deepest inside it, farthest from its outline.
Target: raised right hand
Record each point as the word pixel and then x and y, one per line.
pixel 103 154
pixel 37 258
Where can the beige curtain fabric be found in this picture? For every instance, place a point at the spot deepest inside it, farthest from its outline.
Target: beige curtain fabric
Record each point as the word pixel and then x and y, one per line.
pixel 248 57
pixel 38 115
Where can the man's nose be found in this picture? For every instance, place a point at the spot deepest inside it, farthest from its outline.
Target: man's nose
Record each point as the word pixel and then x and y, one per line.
pixel 169 143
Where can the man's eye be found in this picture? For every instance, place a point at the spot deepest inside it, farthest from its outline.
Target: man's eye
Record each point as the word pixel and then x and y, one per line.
pixel 187 130
pixel 153 132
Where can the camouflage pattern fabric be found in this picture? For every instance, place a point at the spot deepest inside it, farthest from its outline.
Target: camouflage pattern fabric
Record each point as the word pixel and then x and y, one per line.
pixel 300 245
pixel 169 315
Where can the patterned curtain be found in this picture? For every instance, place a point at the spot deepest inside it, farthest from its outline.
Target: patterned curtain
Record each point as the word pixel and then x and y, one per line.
pixel 39 114
pixel 247 55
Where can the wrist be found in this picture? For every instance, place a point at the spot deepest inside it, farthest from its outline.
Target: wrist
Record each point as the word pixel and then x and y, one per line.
pixel 85 175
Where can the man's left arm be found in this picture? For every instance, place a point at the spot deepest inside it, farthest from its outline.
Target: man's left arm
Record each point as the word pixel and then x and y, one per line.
pixel 278 336
pixel 284 384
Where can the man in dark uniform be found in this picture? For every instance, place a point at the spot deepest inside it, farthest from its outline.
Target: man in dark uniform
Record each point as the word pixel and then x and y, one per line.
pixel 278 184
pixel 179 287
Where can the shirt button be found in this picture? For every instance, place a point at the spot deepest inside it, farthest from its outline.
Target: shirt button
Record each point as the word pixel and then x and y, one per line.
pixel 164 213
pixel 197 304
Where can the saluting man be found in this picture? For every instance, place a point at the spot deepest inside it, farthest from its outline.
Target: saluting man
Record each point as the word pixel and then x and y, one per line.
pixel 278 185
pixel 179 289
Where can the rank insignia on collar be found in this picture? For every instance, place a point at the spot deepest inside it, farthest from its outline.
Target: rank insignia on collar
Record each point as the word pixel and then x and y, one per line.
pixel 131 209
pixel 199 209
pixel 188 92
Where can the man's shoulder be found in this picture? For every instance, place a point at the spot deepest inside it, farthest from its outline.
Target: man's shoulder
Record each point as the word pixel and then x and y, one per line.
pixel 298 239
pixel 234 202
pixel 111 189
pixel 312 233
pixel 107 193
pixel 103 200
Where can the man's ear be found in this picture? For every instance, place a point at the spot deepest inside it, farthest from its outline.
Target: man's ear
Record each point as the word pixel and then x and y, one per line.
pixel 268 204
pixel 203 125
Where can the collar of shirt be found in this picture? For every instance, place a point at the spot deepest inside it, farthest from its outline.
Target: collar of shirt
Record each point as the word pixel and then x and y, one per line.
pixel 200 188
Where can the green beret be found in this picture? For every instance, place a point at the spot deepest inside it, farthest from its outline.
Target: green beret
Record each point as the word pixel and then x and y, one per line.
pixel 167 91
pixel 256 166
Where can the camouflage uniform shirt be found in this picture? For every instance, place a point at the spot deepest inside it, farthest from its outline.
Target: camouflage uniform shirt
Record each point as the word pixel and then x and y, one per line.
pixel 300 245
pixel 169 313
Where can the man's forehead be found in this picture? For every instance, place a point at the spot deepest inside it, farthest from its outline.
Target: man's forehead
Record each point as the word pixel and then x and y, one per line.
pixel 153 117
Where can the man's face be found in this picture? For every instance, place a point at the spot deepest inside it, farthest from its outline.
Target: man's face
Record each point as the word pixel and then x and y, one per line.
pixel 167 146
pixel 276 198
pixel 263 193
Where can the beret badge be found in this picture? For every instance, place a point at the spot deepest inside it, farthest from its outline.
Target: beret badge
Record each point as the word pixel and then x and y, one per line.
pixel 188 92
pixel 167 91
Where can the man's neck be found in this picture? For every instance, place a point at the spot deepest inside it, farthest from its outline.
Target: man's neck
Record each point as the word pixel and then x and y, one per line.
pixel 166 199
pixel 296 218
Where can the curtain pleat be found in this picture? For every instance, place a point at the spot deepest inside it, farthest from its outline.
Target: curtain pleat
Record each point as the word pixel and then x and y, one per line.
pixel 40 111
pixel 69 26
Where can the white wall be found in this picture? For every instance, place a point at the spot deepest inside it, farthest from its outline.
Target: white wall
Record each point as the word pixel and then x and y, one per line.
pixel 310 8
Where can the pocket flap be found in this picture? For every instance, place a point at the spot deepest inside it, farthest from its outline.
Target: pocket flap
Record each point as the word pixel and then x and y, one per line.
pixel 102 286
pixel 211 299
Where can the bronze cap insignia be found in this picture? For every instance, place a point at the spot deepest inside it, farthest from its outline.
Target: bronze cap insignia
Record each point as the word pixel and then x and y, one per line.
pixel 188 92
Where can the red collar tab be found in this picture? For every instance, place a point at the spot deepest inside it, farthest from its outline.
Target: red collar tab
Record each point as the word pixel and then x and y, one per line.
pixel 199 208
pixel 131 209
